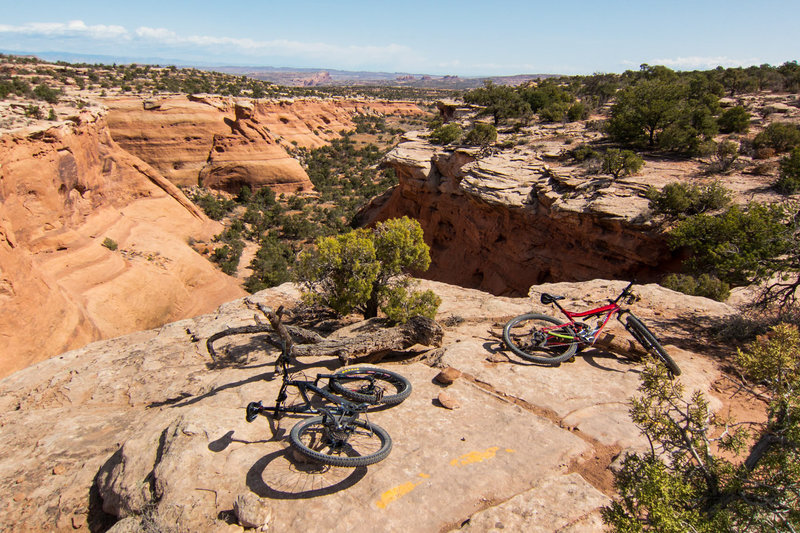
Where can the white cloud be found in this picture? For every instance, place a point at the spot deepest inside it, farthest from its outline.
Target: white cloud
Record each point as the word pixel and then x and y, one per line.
pixel 146 39
pixel 281 47
pixel 73 28
pixel 697 62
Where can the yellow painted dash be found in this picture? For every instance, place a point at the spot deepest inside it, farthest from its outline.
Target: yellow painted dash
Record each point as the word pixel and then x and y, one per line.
pixel 395 493
pixel 475 457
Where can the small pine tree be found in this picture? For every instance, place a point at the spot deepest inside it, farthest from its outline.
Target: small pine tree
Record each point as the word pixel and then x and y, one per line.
pixel 621 162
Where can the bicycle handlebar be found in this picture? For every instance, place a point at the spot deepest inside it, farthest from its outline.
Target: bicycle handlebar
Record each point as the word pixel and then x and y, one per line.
pixel 624 293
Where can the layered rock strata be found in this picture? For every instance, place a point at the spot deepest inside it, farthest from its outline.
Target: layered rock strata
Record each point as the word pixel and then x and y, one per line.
pixel 93 244
pixel 224 143
pixel 505 221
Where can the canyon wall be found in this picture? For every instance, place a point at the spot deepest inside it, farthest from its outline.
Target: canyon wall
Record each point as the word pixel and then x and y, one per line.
pixel 224 143
pixel 505 221
pixel 64 190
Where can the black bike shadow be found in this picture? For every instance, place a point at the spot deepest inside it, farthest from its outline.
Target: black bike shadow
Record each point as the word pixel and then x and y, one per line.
pixel 593 356
pixel 280 476
pixel 240 355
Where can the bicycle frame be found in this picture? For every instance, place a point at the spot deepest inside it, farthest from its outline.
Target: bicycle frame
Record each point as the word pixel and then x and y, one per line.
pixel 583 332
pixel 344 411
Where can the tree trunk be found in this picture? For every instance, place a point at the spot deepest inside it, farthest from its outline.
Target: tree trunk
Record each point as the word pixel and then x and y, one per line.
pixel 418 330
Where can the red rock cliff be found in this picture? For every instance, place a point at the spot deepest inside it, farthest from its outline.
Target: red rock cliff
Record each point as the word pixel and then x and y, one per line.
pixel 505 222
pixel 224 143
pixel 66 189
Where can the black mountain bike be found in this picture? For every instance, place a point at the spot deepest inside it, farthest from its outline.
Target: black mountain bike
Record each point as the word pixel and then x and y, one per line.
pixel 341 434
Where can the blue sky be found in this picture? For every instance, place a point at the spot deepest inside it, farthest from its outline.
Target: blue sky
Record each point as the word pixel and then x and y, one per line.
pixel 467 38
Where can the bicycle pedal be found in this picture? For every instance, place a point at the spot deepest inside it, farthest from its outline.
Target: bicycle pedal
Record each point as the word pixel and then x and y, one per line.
pixel 253 410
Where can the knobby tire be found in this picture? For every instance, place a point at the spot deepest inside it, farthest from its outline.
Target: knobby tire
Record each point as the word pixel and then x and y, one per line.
pixel 517 335
pixel 648 340
pixel 366 443
pixel 386 387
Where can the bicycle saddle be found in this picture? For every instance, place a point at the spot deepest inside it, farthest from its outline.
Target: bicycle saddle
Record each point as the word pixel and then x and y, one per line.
pixel 550 298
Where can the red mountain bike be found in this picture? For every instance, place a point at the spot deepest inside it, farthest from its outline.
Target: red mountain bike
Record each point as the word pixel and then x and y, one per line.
pixel 555 341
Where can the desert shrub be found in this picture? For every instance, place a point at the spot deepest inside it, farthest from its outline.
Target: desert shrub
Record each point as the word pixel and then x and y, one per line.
pixel 577 111
pixel 584 152
pixel 33 111
pixel 678 200
pixel 734 120
pixel 725 155
pixel 738 246
pixel 364 270
pixel 449 133
pixel 215 207
pixel 621 162
pixel 683 482
pixel 764 152
pixel 270 265
pixel 704 285
pixel 110 243
pixel 43 92
pixel 227 256
pixel 789 180
pixel 481 134
pixel 554 112
pixel 780 136
pixel 401 303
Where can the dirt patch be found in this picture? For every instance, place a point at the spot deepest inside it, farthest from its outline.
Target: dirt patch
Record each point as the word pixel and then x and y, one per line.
pixel 594 467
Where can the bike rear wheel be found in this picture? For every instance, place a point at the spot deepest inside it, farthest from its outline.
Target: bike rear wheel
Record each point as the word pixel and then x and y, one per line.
pixel 525 337
pixel 369 384
pixel 648 340
pixel 358 444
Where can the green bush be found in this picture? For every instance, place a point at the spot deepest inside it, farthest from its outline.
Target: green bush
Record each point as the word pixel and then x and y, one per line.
pixel 401 304
pixel 621 162
pixel 43 92
pixel 33 111
pixel 228 255
pixel 738 246
pixel 734 120
pixel 270 265
pixel 704 285
pixel 577 111
pixel 366 270
pixel 584 152
pixel 789 180
pixel 481 134
pixel 704 472
pixel 449 133
pixel 678 200
pixel 555 112
pixel 779 136
pixel 215 207
pixel 110 243
pixel 725 155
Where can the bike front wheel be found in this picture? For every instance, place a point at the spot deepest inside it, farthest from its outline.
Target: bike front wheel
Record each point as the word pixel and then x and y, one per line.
pixel 368 384
pixel 359 443
pixel 648 340
pixel 532 337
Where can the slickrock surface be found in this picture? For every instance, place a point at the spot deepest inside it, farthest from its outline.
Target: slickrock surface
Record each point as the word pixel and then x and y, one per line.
pixel 141 427
pixel 503 222
pixel 64 190
pixel 226 143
